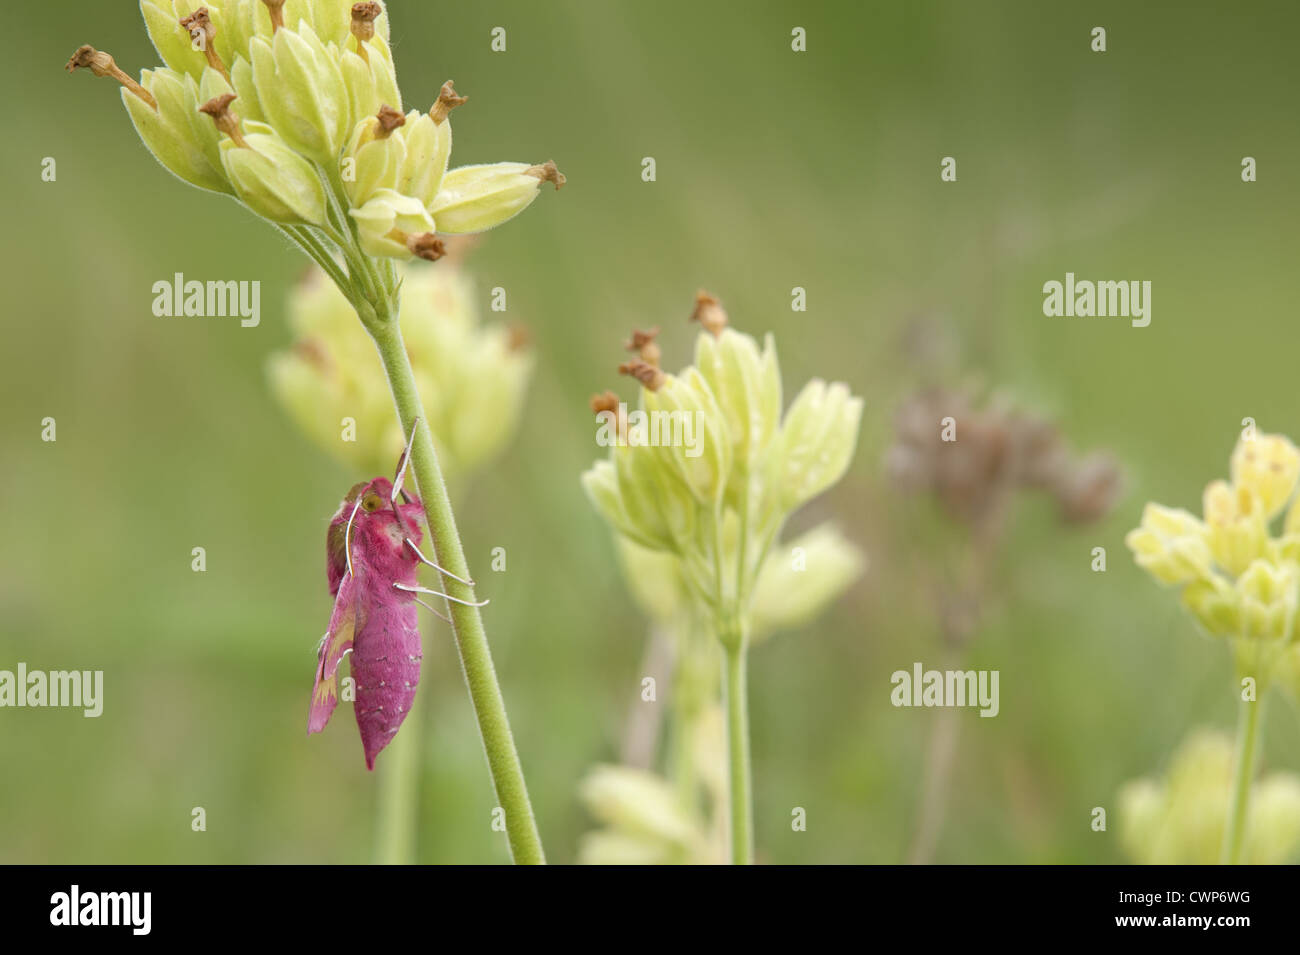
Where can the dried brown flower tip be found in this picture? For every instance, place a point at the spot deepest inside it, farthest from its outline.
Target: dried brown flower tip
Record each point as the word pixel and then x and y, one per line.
pixel 606 402
pixel 548 172
pixel 363 25
pixel 310 350
pixel 101 64
pixel 519 337
pixel 224 118
pixel 448 99
pixel 203 32
pixel 650 377
pixel 643 343
pixel 389 120
pixel 276 8
pixel 1089 489
pixel 987 454
pixel 709 313
pixel 426 246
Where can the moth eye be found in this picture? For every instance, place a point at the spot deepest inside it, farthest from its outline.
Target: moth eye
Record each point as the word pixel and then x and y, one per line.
pixel 372 501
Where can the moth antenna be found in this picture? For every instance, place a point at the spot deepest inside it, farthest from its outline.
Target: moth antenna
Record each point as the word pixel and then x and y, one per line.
pixel 440 616
pixel 425 590
pixel 424 560
pixel 347 535
pixel 401 465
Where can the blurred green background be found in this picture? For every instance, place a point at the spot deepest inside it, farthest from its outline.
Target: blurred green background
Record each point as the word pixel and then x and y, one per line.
pixel 775 170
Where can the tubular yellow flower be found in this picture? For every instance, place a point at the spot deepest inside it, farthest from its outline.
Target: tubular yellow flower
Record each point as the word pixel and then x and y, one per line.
pixel 1267 466
pixel 478 198
pixel 185 142
pixel 1171 545
pixel 1237 530
pixel 300 89
pixel 272 179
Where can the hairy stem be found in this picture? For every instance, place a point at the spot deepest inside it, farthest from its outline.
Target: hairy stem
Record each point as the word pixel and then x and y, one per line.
pixel 466 623
pixel 1248 733
pixel 740 772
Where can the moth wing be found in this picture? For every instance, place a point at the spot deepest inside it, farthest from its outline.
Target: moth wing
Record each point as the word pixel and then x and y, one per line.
pixel 347 619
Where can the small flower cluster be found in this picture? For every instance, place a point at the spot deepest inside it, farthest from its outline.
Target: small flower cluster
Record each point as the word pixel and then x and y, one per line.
pixel 1179 820
pixel 293 107
pixel 472 378
pixel 1237 578
pixel 718 505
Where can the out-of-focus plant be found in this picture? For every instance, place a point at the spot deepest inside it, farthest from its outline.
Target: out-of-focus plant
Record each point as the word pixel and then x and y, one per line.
pixel 472 379
pixel 1182 818
pixel 700 480
pixel 1240 581
pixel 974 458
pixel 292 107
pixel 647 818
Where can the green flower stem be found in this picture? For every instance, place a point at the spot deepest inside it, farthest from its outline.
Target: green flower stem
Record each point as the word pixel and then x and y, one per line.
pixel 466 623
pixel 1248 734
pixel 740 772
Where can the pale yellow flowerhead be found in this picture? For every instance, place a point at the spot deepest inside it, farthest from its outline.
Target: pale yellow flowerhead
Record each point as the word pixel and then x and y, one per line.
pixel 472 377
pixel 1179 820
pixel 293 92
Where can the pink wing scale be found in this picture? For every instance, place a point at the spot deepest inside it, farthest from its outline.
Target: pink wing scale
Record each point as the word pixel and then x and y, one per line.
pixel 386 665
pixel 339 639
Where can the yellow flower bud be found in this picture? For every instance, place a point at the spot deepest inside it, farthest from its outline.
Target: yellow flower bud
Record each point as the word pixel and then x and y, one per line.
pixel 477 198
pixel 817 441
pixel 424 163
pixel 1214 602
pixel 390 222
pixel 748 386
pixel 1236 522
pixel 273 180
pixel 1268 600
pixel 1267 466
pixel 1170 544
pixel 374 156
pixel 802 577
pixel 636 801
pixel 180 138
pixel 301 91
pixel 170 39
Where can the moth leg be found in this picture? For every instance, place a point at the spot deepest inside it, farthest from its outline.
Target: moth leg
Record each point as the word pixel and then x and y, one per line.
pixel 400 477
pixel 438 614
pixel 417 589
pixel 424 560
